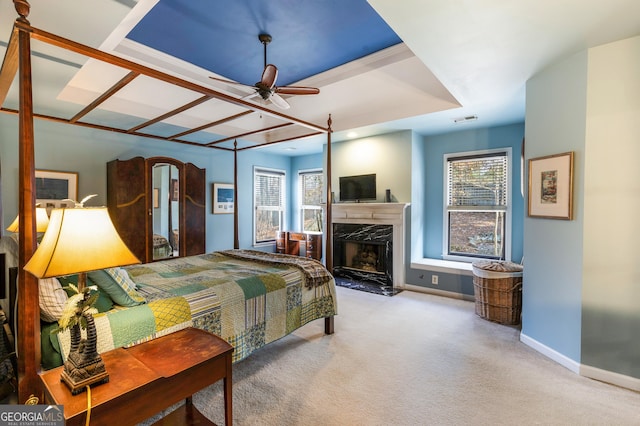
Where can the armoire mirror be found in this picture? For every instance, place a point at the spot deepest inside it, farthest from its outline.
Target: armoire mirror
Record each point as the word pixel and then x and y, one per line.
pixel 165 180
pixel 158 206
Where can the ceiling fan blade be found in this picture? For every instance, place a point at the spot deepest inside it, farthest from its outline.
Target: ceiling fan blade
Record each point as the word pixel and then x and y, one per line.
pixel 269 76
pixel 278 101
pixel 297 90
pixel 250 96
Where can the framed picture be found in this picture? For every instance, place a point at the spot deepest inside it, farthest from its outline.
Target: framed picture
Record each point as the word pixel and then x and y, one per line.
pixel 222 198
pixel 175 190
pixel 156 198
pixel 551 186
pixel 56 189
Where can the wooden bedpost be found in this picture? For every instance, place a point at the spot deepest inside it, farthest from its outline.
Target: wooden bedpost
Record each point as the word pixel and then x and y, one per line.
pixel 236 237
pixel 28 304
pixel 328 230
pixel 329 321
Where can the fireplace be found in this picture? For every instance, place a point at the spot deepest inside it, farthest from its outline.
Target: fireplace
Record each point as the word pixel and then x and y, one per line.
pixel 363 252
pixel 368 245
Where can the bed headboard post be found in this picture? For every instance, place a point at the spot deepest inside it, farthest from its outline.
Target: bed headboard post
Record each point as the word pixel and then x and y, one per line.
pixel 28 332
pixel 236 237
pixel 23 8
pixel 328 231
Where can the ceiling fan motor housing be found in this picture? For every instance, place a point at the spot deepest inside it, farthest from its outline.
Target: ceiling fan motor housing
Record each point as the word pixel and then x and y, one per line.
pixel 264 38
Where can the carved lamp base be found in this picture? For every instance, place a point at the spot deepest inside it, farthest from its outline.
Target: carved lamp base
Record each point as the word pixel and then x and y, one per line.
pixel 84 366
pixel 79 372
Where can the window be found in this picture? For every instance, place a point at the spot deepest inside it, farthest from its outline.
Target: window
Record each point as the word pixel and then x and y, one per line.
pixel 269 199
pixel 477 213
pixel 311 184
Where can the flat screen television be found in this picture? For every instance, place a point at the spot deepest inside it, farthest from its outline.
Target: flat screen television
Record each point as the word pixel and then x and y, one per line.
pixel 358 188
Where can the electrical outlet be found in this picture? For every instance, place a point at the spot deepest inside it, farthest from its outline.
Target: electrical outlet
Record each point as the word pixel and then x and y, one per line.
pixel 434 279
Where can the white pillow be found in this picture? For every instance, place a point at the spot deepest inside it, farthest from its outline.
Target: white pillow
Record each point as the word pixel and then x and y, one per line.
pixel 52 299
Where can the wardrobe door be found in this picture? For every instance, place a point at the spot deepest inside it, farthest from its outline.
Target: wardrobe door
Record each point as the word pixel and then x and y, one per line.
pixel 194 203
pixel 127 202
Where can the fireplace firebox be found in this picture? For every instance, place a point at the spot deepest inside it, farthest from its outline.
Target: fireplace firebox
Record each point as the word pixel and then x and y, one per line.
pixel 369 257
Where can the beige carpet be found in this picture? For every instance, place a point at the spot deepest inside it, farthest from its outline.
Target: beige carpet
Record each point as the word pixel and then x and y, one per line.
pixel 412 359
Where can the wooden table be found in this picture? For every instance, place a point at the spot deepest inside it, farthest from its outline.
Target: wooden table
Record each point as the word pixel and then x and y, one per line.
pixel 149 377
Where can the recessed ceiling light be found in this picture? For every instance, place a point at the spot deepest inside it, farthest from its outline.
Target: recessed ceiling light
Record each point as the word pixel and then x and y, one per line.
pixel 352 134
pixel 465 119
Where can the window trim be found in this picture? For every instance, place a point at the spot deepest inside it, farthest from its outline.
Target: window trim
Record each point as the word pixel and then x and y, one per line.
pixel 301 206
pixel 283 206
pixel 508 213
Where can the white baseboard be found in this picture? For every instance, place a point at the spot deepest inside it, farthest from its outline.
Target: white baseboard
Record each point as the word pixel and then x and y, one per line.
pixel 583 370
pixel 550 353
pixel 610 377
pixel 452 294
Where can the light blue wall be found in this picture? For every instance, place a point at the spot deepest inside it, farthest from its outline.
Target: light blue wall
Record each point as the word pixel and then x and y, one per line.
pixel 303 162
pixel 581 297
pixel 416 230
pixel 72 148
pixel 247 160
pixel 552 289
pixel 470 140
pixel 86 151
pixel 412 166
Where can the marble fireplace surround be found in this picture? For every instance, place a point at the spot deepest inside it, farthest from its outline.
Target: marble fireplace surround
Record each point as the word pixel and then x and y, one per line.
pixel 378 214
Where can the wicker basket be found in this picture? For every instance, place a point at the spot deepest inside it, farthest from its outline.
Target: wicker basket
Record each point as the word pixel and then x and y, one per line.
pixel 498 291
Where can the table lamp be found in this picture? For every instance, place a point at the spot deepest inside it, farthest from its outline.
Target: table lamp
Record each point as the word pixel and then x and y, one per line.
pixel 77 241
pixel 42 221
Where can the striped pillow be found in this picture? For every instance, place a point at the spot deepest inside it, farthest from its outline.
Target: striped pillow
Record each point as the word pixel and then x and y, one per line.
pixel 121 276
pixel 106 283
pixel 52 299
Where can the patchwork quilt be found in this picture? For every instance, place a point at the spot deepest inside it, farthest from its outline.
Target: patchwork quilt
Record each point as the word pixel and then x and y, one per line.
pixel 246 297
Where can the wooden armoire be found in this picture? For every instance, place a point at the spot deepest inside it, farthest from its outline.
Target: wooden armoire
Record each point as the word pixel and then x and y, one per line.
pixel 134 196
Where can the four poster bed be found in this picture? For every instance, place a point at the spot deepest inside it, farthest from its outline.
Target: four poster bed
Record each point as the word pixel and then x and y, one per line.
pixel 302 284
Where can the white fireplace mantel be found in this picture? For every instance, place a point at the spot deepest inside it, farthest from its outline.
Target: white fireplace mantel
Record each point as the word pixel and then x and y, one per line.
pixel 378 214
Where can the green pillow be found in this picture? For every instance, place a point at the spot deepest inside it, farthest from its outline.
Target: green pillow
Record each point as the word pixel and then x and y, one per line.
pixel 104 301
pixel 49 347
pixel 118 294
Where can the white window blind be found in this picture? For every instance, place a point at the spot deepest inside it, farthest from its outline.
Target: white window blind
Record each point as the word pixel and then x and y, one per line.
pixel 269 200
pixel 478 181
pixel 268 189
pixel 311 188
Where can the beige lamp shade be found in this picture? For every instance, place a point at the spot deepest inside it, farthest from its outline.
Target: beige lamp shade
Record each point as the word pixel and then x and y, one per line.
pixel 42 221
pixel 79 240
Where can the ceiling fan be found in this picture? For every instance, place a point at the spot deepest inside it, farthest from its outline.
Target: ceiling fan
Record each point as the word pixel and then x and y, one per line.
pixel 266 88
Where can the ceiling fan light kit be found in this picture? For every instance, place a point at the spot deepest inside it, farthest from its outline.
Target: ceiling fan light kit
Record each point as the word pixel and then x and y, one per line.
pixel 266 88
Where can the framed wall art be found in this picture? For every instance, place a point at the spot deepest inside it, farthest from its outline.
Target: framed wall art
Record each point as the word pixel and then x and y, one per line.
pixel 222 198
pixel 156 198
pixel 175 190
pixel 551 186
pixel 56 189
